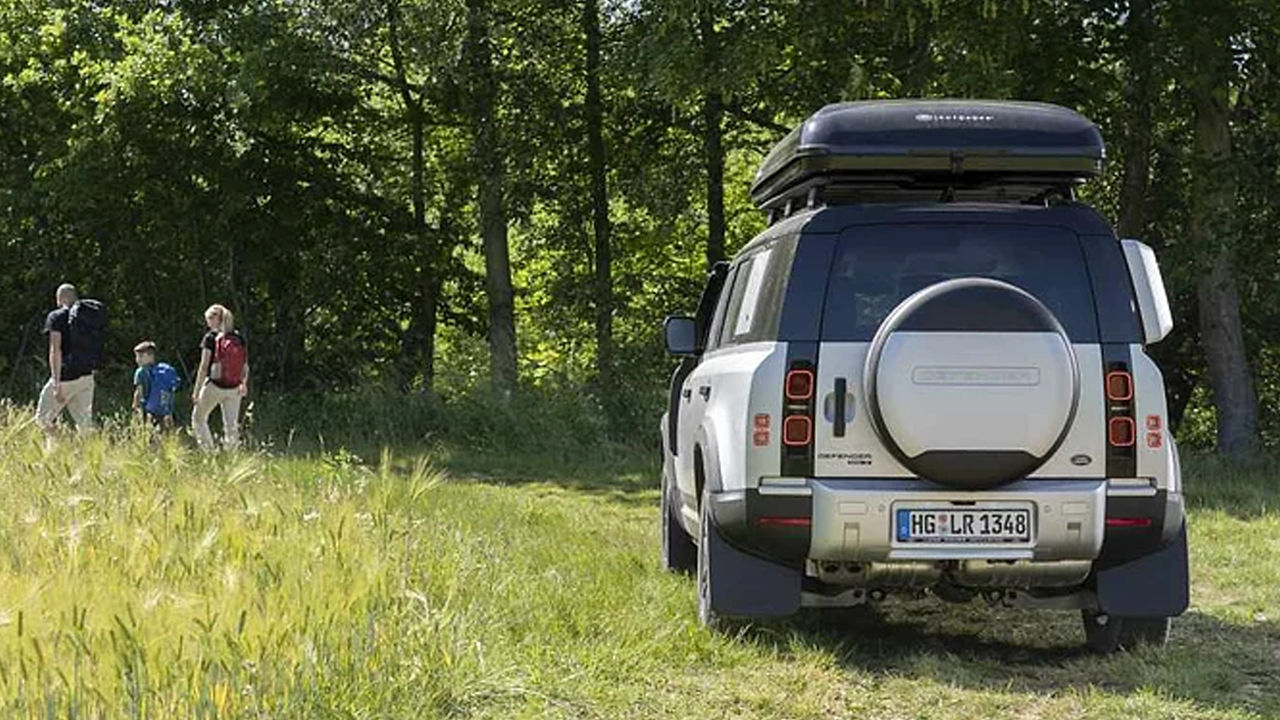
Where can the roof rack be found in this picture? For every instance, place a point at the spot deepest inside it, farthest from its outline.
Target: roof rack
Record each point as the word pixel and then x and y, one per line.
pixel 848 152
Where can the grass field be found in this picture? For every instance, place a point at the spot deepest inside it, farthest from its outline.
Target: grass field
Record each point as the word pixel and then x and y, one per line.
pixel 153 582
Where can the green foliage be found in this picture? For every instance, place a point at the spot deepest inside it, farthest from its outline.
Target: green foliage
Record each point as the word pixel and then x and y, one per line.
pixel 165 156
pixel 566 426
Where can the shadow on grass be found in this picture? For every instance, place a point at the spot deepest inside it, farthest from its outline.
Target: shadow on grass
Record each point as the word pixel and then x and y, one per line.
pixel 626 474
pixel 621 474
pixel 1208 661
pixel 627 478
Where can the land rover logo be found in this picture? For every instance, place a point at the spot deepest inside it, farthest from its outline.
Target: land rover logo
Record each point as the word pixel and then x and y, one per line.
pixel 1081 459
pixel 953 117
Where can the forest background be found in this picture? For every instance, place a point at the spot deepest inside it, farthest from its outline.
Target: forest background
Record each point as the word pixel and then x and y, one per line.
pixel 419 207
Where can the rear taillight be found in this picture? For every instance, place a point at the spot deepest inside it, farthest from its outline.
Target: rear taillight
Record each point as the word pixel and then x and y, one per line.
pixel 1122 427
pixel 1121 432
pixel 1118 395
pixel 1119 386
pixel 798 391
pixel 797 431
pixel 799 385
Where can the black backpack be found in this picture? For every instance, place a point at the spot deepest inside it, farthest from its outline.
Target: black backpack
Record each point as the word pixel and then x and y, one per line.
pixel 88 326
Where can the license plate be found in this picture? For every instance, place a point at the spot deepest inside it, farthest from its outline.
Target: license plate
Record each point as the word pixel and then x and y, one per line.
pixel 962 525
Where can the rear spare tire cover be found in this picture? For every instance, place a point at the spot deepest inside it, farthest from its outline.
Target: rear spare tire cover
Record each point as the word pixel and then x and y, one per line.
pixel 971 383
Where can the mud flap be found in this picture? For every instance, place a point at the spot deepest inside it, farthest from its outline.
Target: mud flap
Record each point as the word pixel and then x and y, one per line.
pixel 1154 586
pixel 745 586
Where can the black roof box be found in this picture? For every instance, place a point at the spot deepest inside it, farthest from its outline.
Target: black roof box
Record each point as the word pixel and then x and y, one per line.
pixel 931 143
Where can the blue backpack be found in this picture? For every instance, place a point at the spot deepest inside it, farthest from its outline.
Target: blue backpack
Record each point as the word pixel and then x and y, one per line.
pixel 164 381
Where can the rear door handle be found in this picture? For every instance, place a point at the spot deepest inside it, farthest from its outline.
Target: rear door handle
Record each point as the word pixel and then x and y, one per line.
pixel 705 392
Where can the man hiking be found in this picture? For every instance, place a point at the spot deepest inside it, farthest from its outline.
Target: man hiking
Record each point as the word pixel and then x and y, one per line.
pixel 76 330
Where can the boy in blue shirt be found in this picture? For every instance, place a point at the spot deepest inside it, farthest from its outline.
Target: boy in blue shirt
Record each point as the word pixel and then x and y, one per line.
pixel 153 386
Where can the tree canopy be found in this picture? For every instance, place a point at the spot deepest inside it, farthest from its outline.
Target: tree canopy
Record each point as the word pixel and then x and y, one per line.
pixel 443 194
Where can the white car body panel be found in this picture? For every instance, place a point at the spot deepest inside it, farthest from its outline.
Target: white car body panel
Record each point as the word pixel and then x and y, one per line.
pixel 744 380
pixel 1155 448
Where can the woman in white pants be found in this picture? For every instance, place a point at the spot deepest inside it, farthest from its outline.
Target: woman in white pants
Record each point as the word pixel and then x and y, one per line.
pixel 223 378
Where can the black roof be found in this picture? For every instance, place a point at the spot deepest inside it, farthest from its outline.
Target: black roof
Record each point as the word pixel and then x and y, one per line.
pixel 931 143
pixel 1077 217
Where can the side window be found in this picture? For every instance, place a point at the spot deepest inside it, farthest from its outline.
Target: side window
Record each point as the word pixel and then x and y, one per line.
pixel 746 315
pixel 766 310
pixel 717 322
pixel 741 280
pixel 750 307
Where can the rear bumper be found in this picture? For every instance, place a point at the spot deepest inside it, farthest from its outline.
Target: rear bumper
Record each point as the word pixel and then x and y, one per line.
pixel 753 522
pixel 851 520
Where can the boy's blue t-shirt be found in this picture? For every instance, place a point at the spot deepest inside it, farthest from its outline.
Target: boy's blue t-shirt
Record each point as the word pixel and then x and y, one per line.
pixel 142 379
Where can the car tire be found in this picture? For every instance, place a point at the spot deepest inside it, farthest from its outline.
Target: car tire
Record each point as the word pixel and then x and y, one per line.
pixel 679 554
pixel 707 614
pixel 1108 633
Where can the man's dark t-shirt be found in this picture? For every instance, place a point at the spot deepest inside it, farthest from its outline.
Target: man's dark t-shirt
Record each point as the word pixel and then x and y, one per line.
pixel 60 321
pixel 210 343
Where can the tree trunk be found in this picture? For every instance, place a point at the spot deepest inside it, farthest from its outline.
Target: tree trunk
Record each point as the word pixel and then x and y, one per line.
pixel 1213 204
pixel 290 333
pixel 1229 373
pixel 913 60
pixel 1179 398
pixel 712 129
pixel 493 213
pixel 1139 98
pixel 599 195
pixel 426 317
pixel 418 344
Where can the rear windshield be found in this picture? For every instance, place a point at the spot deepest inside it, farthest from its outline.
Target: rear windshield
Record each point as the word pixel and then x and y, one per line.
pixel 878 266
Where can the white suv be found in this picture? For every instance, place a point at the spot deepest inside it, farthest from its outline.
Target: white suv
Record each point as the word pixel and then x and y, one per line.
pixel 928 373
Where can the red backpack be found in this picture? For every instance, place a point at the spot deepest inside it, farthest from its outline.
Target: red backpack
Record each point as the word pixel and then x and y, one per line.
pixel 229 357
